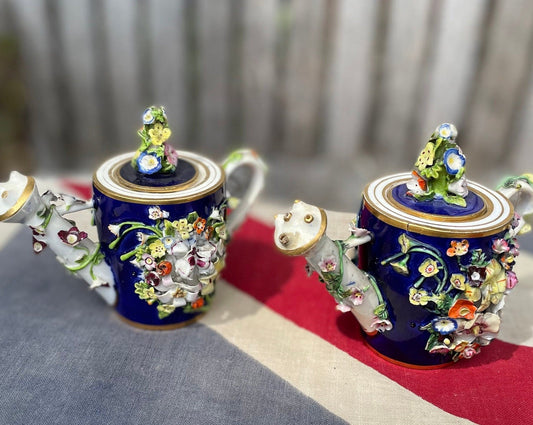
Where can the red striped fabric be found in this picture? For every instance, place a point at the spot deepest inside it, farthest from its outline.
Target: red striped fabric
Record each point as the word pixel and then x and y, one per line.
pixel 494 387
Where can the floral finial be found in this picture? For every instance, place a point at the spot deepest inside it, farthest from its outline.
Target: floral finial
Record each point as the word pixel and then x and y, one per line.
pixel 155 155
pixel 439 170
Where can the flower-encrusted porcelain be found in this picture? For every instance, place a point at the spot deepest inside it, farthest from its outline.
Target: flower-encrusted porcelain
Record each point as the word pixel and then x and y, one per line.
pixel 161 223
pixel 178 268
pixel 301 232
pixel 466 294
pixel 435 259
pixel 439 169
pixel 154 153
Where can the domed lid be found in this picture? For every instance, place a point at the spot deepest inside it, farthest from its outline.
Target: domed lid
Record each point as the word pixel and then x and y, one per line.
pixel 195 177
pixel 156 173
pixel 436 198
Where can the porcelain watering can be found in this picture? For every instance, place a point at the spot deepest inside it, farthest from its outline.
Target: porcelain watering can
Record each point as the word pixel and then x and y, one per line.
pixel 435 256
pixel 161 221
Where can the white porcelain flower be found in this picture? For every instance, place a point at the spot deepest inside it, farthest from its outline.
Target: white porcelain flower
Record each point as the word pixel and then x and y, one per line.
pixel 155 213
pixel 114 228
pixel 459 187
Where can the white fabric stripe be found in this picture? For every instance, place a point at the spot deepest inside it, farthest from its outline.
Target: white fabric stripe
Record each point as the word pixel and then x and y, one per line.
pixel 342 384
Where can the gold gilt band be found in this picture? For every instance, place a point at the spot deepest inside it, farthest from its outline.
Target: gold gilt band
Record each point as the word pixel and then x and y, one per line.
pixel 301 250
pixel 495 216
pixel 208 178
pixel 21 201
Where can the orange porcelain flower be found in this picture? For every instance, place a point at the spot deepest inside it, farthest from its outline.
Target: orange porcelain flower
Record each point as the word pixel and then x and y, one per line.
pixel 199 225
pixel 463 309
pixel 164 268
pixel 198 303
pixel 457 248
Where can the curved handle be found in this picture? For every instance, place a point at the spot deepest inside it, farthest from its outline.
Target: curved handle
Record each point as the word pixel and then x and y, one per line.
pixel 236 160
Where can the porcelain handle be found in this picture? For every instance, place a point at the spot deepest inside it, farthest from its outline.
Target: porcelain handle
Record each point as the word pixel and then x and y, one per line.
pixel 236 160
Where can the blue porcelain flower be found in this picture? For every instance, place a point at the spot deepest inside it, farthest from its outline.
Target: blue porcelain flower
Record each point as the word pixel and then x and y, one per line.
pixel 148 163
pixel 148 117
pixel 444 325
pixel 447 131
pixel 454 160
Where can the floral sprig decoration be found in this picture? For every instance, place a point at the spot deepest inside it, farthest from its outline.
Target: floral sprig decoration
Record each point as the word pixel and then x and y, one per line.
pixel 155 155
pixel 439 170
pixel 467 300
pixel 179 261
pixel 331 273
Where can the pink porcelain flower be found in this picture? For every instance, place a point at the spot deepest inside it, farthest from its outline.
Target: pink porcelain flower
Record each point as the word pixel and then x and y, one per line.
pixel 171 154
pixel 381 325
pixel 512 280
pixel 327 264
pixel 500 246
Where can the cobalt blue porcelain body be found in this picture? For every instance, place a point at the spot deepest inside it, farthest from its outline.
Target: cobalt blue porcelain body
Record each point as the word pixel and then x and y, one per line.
pixel 111 211
pixel 162 236
pixel 423 256
pixel 406 341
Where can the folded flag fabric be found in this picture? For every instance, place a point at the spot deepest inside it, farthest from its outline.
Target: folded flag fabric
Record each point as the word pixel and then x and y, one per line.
pixel 273 349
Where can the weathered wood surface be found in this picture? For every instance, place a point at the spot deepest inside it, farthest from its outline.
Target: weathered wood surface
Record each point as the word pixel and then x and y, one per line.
pixel 331 92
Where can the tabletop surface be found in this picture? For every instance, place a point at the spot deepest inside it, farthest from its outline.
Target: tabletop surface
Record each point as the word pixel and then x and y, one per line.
pixel 273 349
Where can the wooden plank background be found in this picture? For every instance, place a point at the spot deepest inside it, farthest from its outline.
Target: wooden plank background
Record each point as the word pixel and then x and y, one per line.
pixel 333 93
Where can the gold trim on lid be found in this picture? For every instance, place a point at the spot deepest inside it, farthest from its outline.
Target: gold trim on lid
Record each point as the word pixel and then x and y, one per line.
pixel 436 225
pixel 487 208
pixel 21 201
pixel 209 177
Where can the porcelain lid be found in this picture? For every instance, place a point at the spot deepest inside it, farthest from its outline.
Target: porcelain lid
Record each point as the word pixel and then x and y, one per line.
pixel 487 212
pixel 194 178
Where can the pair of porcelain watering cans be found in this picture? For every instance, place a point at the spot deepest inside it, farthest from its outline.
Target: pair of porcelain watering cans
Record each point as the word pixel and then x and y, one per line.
pixel 435 256
pixel 161 221
pixel 435 251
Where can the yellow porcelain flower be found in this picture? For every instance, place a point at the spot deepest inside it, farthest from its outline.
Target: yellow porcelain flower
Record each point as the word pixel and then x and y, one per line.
pixel 458 281
pixel 183 227
pixel 157 249
pixel 495 282
pixel 159 134
pixel 428 268
pixel 426 158
pixel 472 293
pixel 405 243
pixel 418 296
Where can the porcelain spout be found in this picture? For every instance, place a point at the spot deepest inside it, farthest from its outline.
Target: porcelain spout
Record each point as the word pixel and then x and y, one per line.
pixel 436 253
pixel 21 203
pixel 302 231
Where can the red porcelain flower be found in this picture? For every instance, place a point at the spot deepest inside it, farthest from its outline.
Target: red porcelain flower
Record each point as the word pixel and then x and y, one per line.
pixel 152 279
pixel 198 303
pixel 420 180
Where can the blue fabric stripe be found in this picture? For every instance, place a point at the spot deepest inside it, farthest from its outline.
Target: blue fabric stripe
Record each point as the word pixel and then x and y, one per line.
pixel 66 358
